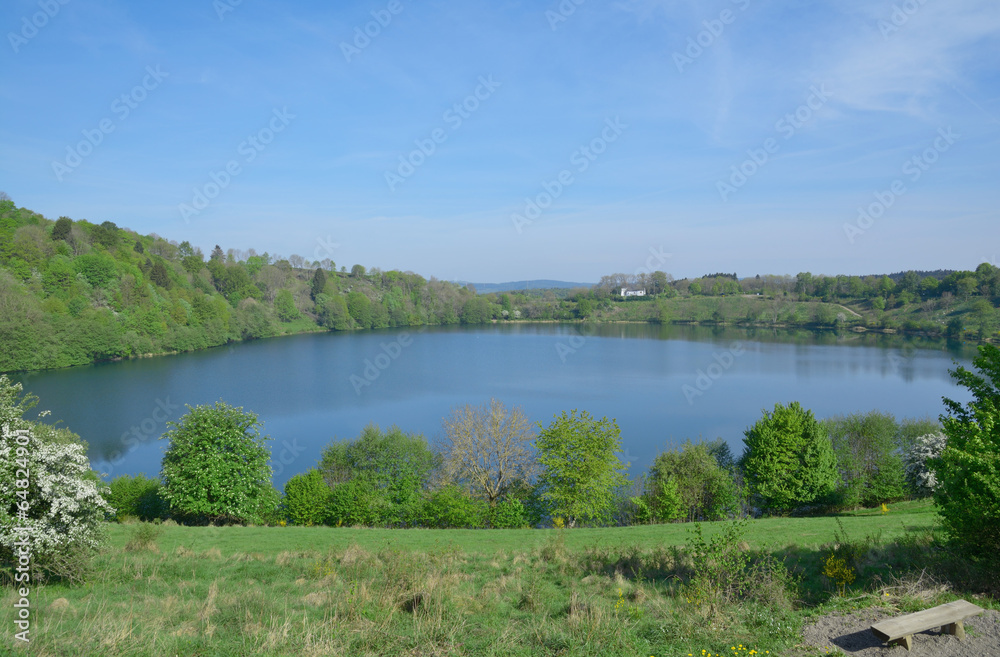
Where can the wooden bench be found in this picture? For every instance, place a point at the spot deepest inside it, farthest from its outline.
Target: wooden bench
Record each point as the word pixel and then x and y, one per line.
pixel 949 617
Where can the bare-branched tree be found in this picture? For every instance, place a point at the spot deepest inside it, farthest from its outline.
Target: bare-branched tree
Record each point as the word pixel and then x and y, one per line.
pixel 488 448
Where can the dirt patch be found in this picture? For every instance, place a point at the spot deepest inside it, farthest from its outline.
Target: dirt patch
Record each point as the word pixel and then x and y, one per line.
pixel 851 634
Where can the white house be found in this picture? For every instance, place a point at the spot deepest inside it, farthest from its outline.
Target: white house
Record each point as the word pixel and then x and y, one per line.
pixel 633 293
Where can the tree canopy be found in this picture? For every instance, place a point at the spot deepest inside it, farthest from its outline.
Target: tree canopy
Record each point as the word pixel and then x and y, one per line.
pixel 580 468
pixel 788 460
pixel 216 467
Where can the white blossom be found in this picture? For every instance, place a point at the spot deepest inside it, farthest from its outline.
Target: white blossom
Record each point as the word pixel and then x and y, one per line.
pixel 918 473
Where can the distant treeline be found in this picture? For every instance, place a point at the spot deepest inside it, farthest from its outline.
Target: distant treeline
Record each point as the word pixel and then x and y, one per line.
pixel 76 292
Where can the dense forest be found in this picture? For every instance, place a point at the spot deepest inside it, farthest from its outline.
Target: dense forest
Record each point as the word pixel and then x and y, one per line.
pixel 76 292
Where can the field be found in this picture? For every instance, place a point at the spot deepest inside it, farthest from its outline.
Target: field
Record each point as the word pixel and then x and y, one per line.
pixel 166 590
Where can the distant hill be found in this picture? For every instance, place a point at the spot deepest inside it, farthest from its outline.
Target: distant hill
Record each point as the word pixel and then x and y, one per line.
pixel 486 288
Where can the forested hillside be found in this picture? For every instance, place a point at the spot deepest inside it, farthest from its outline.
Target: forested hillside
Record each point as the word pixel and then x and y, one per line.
pixel 75 292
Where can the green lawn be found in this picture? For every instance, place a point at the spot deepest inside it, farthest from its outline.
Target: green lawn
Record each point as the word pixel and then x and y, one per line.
pixel 612 592
pixel 767 533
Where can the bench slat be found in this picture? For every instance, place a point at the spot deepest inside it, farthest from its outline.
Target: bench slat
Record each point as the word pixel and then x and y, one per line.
pixel 946 614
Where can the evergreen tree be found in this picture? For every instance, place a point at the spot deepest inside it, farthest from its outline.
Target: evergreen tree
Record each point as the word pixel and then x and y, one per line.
pixel 318 283
pixel 60 230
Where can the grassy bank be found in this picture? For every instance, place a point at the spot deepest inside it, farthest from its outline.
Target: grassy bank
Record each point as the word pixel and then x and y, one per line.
pixel 353 591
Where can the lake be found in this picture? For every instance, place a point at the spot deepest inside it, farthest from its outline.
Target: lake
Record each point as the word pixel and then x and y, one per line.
pixel 662 384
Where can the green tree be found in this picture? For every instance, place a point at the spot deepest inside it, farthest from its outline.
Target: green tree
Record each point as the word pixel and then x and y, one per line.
pixel 580 469
pixel 984 318
pixel 358 271
pixel 97 268
pixel 968 470
pixel 476 311
pixel 663 315
pixel 788 460
pixel 216 466
pixel 318 283
pixel 106 235
pixel 159 275
pixel 869 458
pixel 332 311
pixel 284 306
pixel 360 309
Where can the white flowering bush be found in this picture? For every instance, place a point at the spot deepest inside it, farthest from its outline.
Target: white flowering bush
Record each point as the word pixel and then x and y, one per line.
pixel 45 469
pixel 919 475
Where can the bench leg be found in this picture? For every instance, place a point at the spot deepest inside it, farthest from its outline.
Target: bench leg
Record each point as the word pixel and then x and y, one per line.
pixel 957 628
pixel 906 642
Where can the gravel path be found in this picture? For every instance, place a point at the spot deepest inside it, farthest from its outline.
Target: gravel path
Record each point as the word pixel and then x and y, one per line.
pixel 851 634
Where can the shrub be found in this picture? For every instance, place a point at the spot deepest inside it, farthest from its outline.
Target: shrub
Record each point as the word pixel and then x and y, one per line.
pixel 137 497
pixel 726 571
pixel 968 470
pixel 306 498
pixel 272 509
pixel 143 537
pixel 919 475
pixel 216 468
pixel 394 467
pixel 688 483
pixel 788 460
pixel 357 502
pixel 509 513
pixel 450 507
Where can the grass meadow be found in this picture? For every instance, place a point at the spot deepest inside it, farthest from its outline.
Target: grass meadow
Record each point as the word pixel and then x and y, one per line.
pixel 635 591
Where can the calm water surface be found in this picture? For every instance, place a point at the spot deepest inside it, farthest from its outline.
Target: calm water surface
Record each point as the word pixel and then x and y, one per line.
pixel 662 384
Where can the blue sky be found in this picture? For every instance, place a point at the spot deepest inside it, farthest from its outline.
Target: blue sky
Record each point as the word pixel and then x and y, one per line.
pixel 559 140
